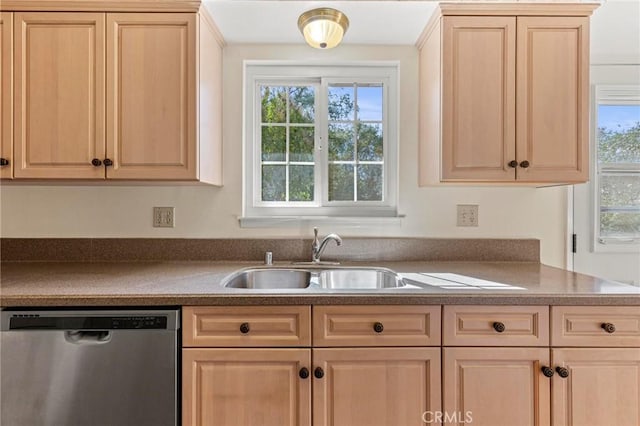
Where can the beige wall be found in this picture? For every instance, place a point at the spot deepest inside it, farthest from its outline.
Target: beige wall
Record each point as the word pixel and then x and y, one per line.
pixel 205 212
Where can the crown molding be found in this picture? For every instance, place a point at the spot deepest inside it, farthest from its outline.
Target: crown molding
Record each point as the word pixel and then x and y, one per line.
pixel 100 5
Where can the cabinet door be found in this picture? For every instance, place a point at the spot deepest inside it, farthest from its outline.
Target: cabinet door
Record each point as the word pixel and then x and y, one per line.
pixel 376 386
pixel 496 386
pixel 245 387
pixel 603 387
pixel 478 98
pixel 6 88
pixel 553 99
pixel 59 95
pixel 151 90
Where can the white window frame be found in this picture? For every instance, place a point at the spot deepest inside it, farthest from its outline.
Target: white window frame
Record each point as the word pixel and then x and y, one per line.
pixel 258 73
pixel 607 94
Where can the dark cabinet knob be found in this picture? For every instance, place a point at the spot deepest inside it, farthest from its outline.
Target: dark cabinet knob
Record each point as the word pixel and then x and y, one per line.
pixel 499 327
pixel 513 164
pixel 524 164
pixel 4 162
pixel 244 328
pixel 96 162
pixel 378 327
pixel 304 373
pixel 318 372
pixel 108 162
pixel 547 371
pixel 562 372
pixel 608 327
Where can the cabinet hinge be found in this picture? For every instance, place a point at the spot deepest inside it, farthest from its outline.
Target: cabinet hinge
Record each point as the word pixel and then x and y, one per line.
pixel 574 243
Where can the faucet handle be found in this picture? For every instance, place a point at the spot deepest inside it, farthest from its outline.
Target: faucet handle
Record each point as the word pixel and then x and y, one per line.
pixel 315 233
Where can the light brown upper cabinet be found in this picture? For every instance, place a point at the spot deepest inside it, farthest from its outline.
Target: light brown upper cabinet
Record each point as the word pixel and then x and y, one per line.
pixel 6 99
pixel 151 86
pixel 59 94
pixel 504 92
pixel 127 96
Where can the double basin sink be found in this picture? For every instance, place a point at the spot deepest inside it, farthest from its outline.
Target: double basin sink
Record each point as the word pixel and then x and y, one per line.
pixel 338 278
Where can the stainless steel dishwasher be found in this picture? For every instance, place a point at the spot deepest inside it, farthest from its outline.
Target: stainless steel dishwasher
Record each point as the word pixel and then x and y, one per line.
pixel 89 367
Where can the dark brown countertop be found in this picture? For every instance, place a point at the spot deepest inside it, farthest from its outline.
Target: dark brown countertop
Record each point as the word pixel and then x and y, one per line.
pixel 198 283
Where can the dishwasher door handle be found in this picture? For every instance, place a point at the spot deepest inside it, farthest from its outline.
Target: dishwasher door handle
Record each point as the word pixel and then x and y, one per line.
pixel 80 337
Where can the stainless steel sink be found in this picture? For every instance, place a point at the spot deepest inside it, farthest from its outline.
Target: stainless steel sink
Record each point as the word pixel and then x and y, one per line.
pixel 319 278
pixel 267 278
pixel 355 278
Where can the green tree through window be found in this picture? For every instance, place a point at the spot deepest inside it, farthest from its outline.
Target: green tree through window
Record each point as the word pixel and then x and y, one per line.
pixel 355 142
pixel 618 143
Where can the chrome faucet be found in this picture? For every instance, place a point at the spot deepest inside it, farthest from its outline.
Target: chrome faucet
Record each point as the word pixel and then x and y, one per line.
pixel 318 247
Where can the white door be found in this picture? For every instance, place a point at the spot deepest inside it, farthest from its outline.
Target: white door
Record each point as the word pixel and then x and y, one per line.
pixel 606 210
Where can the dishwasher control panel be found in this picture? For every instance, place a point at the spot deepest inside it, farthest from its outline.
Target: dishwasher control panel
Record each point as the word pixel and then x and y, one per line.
pixel 41 322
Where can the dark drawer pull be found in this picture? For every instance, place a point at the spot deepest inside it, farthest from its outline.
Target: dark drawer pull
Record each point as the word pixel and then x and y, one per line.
pixel 608 327
pixel 96 162
pixel 524 164
pixel 513 164
pixel 4 162
pixel 499 326
pixel 244 328
pixel 304 373
pixel 547 371
pixel 318 372
pixel 108 162
pixel 378 327
pixel 562 372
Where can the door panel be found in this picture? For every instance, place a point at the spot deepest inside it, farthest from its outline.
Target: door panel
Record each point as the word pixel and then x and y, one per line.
pixel 245 387
pixel 375 386
pixel 603 387
pixel 151 87
pixel 478 126
pixel 6 88
pixel 59 96
pixel 553 99
pixel 497 386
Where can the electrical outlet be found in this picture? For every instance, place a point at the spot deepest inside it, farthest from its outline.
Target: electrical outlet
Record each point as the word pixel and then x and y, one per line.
pixel 164 217
pixel 467 215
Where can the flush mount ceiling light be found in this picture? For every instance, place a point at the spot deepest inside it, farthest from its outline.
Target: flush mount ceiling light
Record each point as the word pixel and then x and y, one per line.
pixel 324 27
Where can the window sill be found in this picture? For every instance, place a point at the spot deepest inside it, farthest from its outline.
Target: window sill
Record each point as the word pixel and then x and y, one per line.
pixel 296 221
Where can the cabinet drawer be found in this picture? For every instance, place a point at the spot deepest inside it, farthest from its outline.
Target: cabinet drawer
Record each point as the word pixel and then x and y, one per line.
pixel 220 326
pixel 376 325
pixel 496 326
pixel 595 326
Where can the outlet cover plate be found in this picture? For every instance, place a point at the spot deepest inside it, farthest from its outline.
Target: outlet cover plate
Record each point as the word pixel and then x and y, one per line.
pixel 164 217
pixel 467 215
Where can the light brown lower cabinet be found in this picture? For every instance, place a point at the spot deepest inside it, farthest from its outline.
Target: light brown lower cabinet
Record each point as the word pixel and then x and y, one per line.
pixel 236 387
pixel 496 386
pixel 359 376
pixel 375 386
pixel 601 387
pixel 343 366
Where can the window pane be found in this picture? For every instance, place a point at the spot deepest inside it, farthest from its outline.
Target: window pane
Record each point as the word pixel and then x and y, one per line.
pixel 620 191
pixel 370 103
pixel 340 182
pixel 341 144
pixel 341 103
pixel 301 104
pixel 274 143
pixel 301 183
pixel 301 144
pixel 620 224
pixel 619 133
pixel 273 183
pixel 370 142
pixel 370 182
pixel 274 104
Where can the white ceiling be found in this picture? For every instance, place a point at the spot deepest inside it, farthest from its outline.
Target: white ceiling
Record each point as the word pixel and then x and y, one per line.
pixel 371 22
